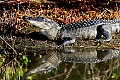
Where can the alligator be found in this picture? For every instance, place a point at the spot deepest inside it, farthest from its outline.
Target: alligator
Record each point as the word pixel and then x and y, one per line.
pixel 99 30
pixel 53 58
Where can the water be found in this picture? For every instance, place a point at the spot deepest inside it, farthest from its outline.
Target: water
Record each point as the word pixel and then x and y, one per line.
pixel 62 64
pixel 77 64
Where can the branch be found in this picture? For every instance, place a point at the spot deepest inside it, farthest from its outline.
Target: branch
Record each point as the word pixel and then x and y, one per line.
pixel 73 66
pixel 8 45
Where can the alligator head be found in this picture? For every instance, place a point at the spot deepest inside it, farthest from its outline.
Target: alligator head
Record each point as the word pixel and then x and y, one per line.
pixel 43 68
pixel 47 26
pixel 47 63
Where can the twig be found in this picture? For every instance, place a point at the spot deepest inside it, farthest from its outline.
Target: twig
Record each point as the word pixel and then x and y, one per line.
pixel 8 62
pixel 8 45
pixel 73 66
pixel 105 11
pixel 56 76
pixel 85 70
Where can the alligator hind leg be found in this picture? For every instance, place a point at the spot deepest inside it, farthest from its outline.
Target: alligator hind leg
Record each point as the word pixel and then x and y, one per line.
pixel 98 36
pixel 101 31
pixel 107 36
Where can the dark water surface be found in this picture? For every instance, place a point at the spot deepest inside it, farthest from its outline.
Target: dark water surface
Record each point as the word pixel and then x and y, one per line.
pixel 62 64
pixel 77 64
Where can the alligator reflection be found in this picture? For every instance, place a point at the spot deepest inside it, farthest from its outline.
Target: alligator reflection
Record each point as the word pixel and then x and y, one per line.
pixel 54 57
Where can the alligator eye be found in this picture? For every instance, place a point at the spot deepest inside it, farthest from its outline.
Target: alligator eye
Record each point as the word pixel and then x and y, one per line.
pixel 24 17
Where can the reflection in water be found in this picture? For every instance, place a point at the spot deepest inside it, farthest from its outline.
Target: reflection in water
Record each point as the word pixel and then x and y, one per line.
pixel 87 56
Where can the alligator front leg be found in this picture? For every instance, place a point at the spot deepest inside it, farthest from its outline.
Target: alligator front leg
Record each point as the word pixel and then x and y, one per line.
pixel 102 31
pixel 65 41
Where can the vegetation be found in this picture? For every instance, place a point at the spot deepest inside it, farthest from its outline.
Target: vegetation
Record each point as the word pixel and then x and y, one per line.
pixel 19 44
